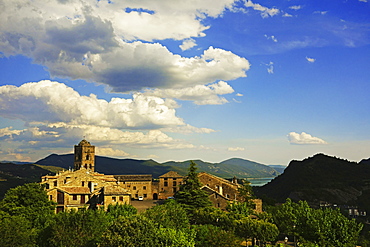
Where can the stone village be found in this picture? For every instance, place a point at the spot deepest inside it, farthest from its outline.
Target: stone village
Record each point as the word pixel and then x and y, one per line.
pixel 83 187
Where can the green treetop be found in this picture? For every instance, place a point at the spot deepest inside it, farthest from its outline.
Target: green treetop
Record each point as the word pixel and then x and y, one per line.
pixel 190 193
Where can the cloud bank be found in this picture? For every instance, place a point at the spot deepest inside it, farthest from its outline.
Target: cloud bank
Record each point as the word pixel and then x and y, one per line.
pixel 56 113
pixel 113 42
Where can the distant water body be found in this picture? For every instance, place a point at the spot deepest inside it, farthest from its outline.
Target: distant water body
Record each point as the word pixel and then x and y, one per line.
pixel 259 181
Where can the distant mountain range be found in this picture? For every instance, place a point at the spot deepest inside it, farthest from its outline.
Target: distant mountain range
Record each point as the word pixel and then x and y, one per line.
pixel 17 173
pixel 240 168
pixel 322 178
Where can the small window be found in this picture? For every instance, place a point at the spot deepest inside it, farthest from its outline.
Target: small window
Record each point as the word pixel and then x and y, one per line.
pixel 145 195
pixel 113 198
pixel 83 184
pixel 174 183
pixel 55 183
pixel 134 188
pixel 51 197
pixel 174 178
pixel 144 187
pixel 74 197
pixel 165 184
pixel 218 204
pixel 165 179
pixel 47 186
pixel 136 195
pixel 121 198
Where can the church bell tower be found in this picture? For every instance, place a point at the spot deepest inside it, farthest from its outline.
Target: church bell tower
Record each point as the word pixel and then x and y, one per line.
pixel 84 156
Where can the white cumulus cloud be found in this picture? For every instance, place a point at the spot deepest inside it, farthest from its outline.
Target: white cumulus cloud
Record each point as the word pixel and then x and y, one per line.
pixel 199 94
pixel 304 138
pixel 187 44
pixel 50 101
pixel 112 42
pixel 265 11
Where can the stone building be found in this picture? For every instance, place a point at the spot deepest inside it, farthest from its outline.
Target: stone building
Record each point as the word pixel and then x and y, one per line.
pixel 138 185
pixel 169 183
pixel 222 192
pixel 83 187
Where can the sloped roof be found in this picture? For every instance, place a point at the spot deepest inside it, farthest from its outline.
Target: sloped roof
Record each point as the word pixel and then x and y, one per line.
pixel 218 178
pixel 210 191
pixel 136 177
pixel 115 190
pixel 75 190
pixel 171 174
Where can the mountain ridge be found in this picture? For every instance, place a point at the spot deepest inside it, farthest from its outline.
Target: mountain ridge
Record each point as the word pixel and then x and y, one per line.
pixel 229 168
pixel 321 178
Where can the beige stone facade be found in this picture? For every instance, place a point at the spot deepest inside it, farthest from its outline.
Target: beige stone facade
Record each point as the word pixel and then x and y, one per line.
pixel 138 185
pixel 85 188
pixel 169 183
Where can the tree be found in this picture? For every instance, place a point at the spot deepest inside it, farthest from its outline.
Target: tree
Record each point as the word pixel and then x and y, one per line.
pixel 169 215
pixel 30 201
pixel 16 231
pixel 190 193
pixel 213 236
pixel 254 229
pixel 214 216
pixel 324 227
pixel 115 210
pixel 75 228
pixel 139 231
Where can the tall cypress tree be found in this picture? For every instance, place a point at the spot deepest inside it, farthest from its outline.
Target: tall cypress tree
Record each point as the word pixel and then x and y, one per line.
pixel 190 193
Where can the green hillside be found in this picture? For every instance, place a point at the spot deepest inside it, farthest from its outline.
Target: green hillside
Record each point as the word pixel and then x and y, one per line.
pixel 110 165
pixel 13 175
pixel 322 178
pixel 229 168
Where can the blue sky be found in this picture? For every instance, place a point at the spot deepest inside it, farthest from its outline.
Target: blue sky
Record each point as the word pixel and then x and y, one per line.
pixel 268 81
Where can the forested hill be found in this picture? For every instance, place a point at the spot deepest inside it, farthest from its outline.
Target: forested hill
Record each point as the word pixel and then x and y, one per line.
pixel 110 165
pixel 13 175
pixel 240 168
pixel 227 169
pixel 322 178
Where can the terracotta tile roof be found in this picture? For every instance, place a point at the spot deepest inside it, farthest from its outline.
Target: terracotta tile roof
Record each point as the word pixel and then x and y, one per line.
pixel 171 174
pixel 218 178
pixel 136 177
pixel 210 191
pixel 115 190
pixel 75 190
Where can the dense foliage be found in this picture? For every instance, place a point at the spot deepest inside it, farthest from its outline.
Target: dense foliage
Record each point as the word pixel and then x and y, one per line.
pixel 324 227
pixel 27 219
